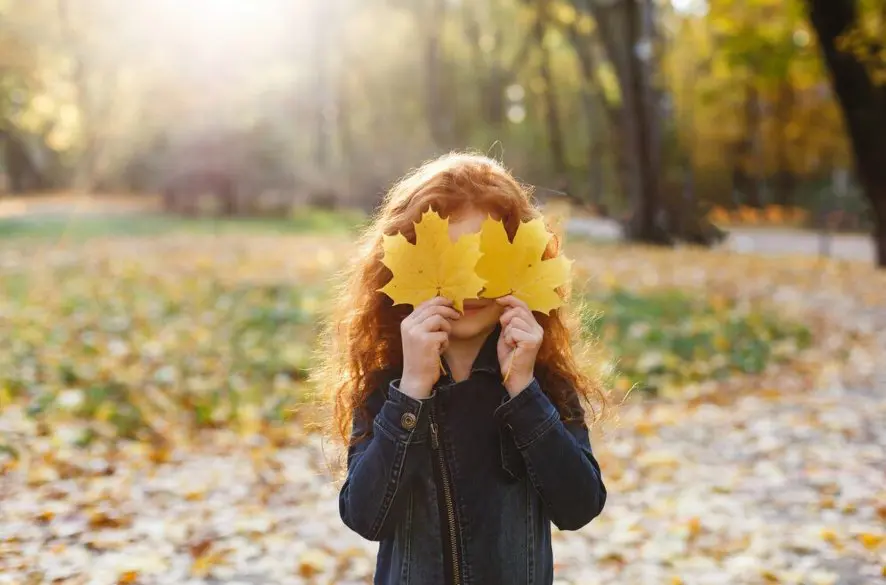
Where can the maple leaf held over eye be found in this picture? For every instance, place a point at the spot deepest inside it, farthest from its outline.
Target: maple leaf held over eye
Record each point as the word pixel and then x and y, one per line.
pixel 517 267
pixel 434 265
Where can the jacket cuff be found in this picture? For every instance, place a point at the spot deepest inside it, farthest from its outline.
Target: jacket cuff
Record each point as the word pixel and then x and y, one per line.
pixel 402 417
pixel 528 415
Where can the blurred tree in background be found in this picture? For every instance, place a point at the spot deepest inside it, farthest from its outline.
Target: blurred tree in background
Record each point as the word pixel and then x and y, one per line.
pixel 649 111
pixel 853 40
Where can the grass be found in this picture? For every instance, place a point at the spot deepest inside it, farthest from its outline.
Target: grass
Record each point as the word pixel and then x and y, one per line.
pixel 133 354
pixel 669 338
pixel 132 337
pixel 93 226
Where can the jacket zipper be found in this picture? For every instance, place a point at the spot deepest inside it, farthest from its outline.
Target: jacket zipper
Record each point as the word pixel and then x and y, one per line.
pixel 450 508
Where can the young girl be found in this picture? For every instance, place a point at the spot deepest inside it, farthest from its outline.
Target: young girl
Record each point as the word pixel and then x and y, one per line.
pixel 457 473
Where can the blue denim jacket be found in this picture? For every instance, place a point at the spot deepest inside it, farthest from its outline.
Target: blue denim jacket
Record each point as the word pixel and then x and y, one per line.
pixel 461 488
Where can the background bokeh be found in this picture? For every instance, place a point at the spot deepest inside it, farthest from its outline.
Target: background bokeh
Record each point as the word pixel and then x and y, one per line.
pixel 180 181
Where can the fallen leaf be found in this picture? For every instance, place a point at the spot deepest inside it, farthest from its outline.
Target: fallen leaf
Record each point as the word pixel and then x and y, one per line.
pixel 829 535
pixel 199 547
pixel 127 577
pixel 107 519
pixel 45 516
pixel 871 541
pixel 312 562
pixel 203 564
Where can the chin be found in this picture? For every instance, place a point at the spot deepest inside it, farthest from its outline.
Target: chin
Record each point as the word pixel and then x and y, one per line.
pixel 474 323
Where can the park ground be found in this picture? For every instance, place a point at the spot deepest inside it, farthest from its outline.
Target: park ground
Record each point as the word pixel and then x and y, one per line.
pixel 156 424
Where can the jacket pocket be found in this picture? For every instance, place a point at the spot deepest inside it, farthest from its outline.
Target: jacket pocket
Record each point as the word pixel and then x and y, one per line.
pixel 511 461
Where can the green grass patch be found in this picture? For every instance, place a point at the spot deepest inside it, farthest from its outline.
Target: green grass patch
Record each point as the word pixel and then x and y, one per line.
pixel 126 340
pixel 130 353
pixel 671 338
pixel 92 226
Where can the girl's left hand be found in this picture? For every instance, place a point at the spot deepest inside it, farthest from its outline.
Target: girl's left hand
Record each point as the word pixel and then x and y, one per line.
pixel 519 343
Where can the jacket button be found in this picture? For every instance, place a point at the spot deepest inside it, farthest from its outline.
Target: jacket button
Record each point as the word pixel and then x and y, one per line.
pixel 408 421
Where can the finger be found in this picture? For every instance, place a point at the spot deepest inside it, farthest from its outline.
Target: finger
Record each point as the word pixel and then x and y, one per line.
pixel 423 309
pixel 447 312
pixel 440 339
pixel 520 323
pixel 436 301
pixel 515 312
pixel 519 336
pixel 435 323
pixel 507 316
pixel 511 301
pixel 509 338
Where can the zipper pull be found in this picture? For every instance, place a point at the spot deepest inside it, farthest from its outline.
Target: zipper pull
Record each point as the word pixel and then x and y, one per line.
pixel 434 441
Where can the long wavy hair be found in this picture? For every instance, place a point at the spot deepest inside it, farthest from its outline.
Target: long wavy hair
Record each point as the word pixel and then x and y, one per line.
pixel 361 344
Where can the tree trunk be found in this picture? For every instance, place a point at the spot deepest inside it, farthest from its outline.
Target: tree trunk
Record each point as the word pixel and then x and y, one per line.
pixel 643 108
pixel 438 119
pixel 743 173
pixel 23 175
pixel 552 111
pixel 595 146
pixel 785 180
pixel 878 199
pixel 620 26
pixel 491 78
pixel 863 104
pixel 595 103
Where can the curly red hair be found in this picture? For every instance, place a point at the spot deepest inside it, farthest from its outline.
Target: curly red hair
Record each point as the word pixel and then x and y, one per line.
pixel 362 342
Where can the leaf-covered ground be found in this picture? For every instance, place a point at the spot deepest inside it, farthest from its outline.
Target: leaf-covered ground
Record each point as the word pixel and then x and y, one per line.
pixel 758 460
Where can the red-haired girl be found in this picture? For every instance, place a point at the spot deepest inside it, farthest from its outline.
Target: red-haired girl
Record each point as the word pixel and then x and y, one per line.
pixel 458 471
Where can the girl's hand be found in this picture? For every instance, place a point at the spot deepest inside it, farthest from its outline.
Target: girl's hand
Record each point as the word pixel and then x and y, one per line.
pixel 519 343
pixel 425 335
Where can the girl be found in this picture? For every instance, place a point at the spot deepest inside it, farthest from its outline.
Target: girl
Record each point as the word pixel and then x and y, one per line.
pixel 458 474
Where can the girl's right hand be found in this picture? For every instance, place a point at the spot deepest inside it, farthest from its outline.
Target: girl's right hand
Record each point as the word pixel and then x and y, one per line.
pixel 425 335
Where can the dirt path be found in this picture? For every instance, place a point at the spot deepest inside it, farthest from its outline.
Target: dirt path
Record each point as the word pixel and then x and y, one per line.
pixel 766 241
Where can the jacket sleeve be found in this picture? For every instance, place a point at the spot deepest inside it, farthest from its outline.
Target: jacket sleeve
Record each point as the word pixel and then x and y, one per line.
pixel 382 463
pixel 558 457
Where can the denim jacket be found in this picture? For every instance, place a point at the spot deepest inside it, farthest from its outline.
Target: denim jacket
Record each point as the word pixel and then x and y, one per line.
pixel 461 488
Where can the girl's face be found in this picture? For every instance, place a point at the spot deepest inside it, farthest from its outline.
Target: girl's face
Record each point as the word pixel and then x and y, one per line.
pixel 480 315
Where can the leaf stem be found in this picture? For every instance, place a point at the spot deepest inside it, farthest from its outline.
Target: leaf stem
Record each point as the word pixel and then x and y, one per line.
pixel 510 363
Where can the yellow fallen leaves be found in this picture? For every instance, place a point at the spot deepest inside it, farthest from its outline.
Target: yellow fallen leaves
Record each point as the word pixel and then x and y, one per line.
pixel 487 261
pixel 312 562
pixel 829 536
pixel 871 541
pixel 203 564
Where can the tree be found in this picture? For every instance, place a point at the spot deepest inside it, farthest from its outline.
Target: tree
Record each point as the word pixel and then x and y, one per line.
pixel 863 101
pixel 625 32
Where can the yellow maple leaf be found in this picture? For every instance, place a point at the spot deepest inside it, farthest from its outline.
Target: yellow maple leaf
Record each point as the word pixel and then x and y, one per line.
pixel 517 267
pixel 434 265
